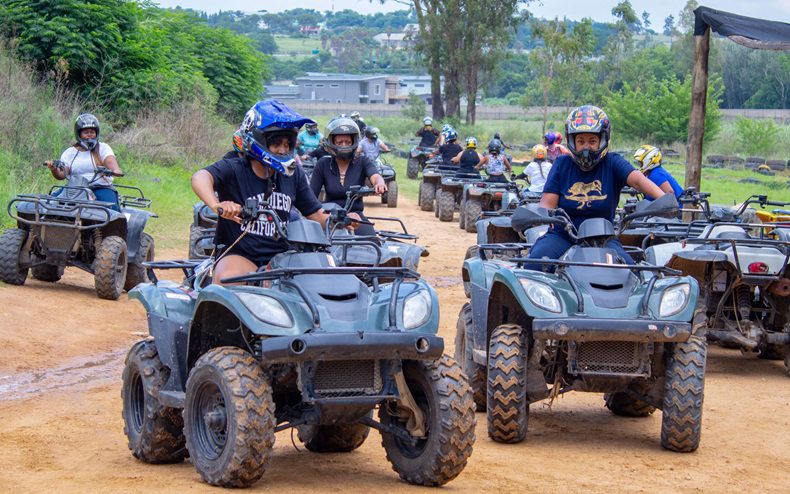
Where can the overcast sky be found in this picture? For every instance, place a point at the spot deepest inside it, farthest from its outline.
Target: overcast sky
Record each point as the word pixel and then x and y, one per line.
pixel 599 10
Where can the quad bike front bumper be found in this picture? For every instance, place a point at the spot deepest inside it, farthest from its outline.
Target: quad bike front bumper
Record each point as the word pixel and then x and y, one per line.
pixel 351 346
pixel 632 330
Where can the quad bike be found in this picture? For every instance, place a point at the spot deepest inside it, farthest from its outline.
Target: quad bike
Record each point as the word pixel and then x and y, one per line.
pixel 450 192
pixel 387 172
pixel 592 323
pixel 384 249
pixel 301 344
pixel 69 227
pixel 478 197
pixel 418 156
pixel 202 231
pixel 432 174
pixel 745 283
pixel 308 165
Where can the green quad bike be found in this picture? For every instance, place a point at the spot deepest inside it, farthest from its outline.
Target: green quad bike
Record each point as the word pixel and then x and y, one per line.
pixel 69 227
pixel 301 344
pixel 594 324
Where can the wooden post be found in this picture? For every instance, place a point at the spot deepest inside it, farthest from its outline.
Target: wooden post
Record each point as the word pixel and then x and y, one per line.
pixel 699 92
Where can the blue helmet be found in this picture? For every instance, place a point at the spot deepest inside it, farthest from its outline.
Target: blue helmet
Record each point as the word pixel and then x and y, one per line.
pixel 451 135
pixel 267 120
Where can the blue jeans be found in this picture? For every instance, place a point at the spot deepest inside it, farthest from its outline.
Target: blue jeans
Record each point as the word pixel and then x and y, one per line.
pixel 106 194
pixel 555 243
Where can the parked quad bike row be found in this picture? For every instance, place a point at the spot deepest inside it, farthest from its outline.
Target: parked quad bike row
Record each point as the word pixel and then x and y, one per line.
pixel 341 325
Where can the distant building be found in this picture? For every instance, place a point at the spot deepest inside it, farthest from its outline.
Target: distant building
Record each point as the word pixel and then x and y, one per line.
pixel 310 30
pixel 347 88
pixel 282 92
pixel 399 41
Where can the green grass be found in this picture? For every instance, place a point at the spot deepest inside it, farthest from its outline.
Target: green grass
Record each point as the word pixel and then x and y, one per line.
pixel 288 45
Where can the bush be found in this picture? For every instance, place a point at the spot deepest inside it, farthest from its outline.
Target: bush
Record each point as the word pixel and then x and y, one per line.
pixel 756 137
pixel 415 107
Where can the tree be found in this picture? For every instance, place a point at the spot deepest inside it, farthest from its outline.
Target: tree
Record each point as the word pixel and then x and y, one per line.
pixel 646 22
pixel 669 25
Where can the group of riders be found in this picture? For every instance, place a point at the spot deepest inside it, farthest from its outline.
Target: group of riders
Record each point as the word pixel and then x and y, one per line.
pixel 265 164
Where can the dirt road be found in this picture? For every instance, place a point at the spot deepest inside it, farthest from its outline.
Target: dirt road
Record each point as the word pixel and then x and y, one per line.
pixel 61 356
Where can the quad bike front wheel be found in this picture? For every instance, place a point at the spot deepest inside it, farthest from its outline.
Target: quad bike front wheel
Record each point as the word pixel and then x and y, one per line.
pixel 11 242
pixel 110 268
pixel 681 424
pixel 440 390
pixel 508 406
pixel 392 194
pixel 155 433
pixel 463 355
pixel 136 272
pixel 229 418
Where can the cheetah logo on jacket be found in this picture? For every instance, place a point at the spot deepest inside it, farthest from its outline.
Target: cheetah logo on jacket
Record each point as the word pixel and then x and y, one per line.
pixel 585 194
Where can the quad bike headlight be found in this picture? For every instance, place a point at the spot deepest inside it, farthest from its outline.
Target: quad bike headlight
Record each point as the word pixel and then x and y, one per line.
pixel 266 309
pixel 541 295
pixel 416 309
pixel 674 300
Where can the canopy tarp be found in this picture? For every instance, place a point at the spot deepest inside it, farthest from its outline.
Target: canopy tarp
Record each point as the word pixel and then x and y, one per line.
pixel 747 31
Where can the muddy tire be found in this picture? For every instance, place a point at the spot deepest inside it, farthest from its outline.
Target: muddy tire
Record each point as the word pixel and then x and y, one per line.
pixel 461 218
pixel 229 418
pixel 471 213
pixel 334 438
pixel 441 391
pixel 195 233
pixel 48 272
pixel 508 406
pixel 155 433
pixel 623 404
pixel 109 268
pixel 445 204
pixel 392 194
pixel 427 196
pixel 136 272
pixel 412 167
pixel 11 242
pixel 475 372
pixel 787 360
pixel 681 424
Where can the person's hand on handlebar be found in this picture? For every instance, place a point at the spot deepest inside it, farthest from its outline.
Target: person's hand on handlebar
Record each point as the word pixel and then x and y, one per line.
pixel 228 210
pixel 381 187
pixel 353 225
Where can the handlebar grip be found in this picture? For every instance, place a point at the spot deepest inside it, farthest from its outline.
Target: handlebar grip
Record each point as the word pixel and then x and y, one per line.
pixel 776 203
pixel 220 211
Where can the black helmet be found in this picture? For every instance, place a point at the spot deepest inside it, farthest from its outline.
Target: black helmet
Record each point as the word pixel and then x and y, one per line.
pixel 494 146
pixel 372 132
pixel 311 128
pixel 341 126
pixel 86 121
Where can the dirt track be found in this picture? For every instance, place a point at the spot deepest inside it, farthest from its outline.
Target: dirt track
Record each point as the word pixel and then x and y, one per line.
pixel 61 356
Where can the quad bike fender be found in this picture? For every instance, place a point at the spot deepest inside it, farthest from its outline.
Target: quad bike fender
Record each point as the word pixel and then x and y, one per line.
pixel 135 224
pixel 694 262
pixel 661 254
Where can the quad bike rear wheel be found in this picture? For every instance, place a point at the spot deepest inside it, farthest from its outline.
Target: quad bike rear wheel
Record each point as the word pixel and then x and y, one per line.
pixel 472 210
pixel 392 194
pixel 195 234
pixel 440 390
pixel 508 406
pixel 624 404
pixel 229 418
pixel 427 196
pixel 136 272
pixel 11 242
pixel 110 268
pixel 155 433
pixel 463 355
pixel 445 204
pixel 412 167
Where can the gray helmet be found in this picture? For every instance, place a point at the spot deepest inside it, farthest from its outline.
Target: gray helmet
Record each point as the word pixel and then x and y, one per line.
pixel 372 132
pixel 86 121
pixel 355 115
pixel 341 126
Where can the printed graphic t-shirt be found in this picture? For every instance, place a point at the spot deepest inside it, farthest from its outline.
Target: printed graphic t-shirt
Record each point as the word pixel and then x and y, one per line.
pixel 235 181
pixel 593 194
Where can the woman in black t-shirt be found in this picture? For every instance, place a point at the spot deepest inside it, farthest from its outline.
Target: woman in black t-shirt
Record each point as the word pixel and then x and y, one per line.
pixel 469 160
pixel 266 171
pixel 337 173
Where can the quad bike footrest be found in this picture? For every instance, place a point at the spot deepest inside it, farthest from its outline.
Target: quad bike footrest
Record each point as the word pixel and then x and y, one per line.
pixel 587 329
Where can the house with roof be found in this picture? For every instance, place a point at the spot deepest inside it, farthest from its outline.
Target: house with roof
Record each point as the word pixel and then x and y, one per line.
pixel 348 88
pixel 399 41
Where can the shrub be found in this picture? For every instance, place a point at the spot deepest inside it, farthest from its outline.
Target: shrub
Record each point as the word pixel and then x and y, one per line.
pixel 756 137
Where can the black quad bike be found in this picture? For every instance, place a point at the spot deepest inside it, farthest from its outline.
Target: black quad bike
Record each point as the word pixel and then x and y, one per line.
pixel 301 344
pixel 202 231
pixel 418 156
pixel 69 227
pixel 387 172
pixel 482 196
pixel 450 193
pixel 588 322
pixel 432 174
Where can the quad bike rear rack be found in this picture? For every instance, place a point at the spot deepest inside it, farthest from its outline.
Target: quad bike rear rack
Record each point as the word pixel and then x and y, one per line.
pixel 285 277
pixel 46 205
